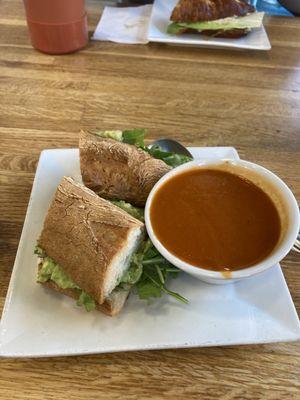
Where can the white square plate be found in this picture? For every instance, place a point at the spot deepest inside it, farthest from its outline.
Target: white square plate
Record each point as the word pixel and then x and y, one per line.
pixel 257 39
pixel 39 322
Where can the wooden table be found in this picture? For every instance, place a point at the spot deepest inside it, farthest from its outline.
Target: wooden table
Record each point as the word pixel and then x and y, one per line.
pixel 202 97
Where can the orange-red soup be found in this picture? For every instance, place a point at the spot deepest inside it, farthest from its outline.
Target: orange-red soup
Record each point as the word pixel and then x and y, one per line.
pixel 214 219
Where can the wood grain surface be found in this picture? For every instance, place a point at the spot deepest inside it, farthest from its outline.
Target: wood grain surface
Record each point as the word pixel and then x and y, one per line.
pixel 202 97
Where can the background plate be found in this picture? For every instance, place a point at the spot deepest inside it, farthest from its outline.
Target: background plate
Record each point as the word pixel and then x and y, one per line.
pixel 257 39
pixel 39 322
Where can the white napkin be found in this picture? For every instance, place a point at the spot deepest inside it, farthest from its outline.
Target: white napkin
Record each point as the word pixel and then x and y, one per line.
pixel 124 25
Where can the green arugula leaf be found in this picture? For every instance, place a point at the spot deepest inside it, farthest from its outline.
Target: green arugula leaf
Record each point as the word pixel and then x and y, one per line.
pixel 134 136
pixel 167 291
pixel 148 250
pixel 154 271
pixel 160 274
pixel 153 260
pixel 171 159
pixel 146 289
pixel 177 296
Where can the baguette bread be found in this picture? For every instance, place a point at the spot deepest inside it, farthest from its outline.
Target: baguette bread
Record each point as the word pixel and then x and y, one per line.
pixel 91 239
pixel 116 170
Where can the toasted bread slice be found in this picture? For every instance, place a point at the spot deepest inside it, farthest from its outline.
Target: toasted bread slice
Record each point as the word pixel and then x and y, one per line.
pixel 117 170
pixel 209 10
pixel 91 239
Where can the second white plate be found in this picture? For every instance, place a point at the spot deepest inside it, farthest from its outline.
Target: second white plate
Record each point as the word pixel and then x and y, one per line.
pixel 257 39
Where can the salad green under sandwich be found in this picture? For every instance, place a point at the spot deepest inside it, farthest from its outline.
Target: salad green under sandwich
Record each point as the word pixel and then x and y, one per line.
pixel 218 18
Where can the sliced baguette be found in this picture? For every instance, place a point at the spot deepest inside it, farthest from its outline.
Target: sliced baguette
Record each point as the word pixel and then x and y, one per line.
pixel 91 239
pixel 117 170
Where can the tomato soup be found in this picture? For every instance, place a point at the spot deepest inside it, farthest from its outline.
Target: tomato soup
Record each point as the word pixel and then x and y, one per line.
pixel 215 219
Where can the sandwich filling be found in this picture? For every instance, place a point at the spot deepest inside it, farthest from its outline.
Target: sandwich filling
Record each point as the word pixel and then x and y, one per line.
pixel 248 22
pixel 50 270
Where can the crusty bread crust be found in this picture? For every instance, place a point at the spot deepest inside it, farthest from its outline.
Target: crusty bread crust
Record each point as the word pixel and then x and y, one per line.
pixel 83 233
pixel 116 170
pixel 209 10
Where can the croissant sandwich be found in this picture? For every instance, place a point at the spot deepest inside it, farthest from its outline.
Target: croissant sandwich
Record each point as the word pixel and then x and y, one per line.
pixel 218 18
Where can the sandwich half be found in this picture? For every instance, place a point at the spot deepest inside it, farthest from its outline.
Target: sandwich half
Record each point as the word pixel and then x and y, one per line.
pixel 115 169
pixel 85 248
pixel 218 18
